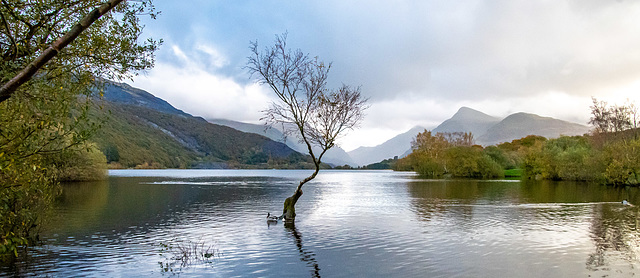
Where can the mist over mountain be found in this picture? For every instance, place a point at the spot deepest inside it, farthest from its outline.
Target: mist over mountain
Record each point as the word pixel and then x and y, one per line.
pixel 519 125
pixel 335 156
pixel 395 146
pixel 179 134
pixel 487 130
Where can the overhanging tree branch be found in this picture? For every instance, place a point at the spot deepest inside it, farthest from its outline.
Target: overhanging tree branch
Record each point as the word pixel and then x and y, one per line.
pixel 30 70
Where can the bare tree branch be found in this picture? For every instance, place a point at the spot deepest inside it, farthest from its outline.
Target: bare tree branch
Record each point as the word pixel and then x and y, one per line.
pixel 305 106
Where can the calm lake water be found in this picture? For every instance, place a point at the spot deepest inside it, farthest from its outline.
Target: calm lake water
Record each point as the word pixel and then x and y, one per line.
pixel 350 223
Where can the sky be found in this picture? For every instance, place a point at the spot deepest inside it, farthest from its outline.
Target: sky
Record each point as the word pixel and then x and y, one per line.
pixel 418 61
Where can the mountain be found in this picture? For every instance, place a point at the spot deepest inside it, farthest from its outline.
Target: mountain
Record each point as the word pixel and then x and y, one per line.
pixel 125 94
pixel 143 130
pixel 487 130
pixel 519 125
pixel 468 120
pixel 395 146
pixel 335 156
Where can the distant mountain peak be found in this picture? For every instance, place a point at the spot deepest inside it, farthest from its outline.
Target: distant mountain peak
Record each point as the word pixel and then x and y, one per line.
pixel 466 109
pixel 469 114
pixel 486 129
pixel 126 94
pixel 468 120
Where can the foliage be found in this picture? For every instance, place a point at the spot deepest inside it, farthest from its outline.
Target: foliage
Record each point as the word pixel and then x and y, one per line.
pixel 111 153
pixel 108 49
pixel 610 155
pixel 564 158
pixel 26 191
pixel 46 124
pixel 579 158
pixel 82 163
pixel 35 129
pixel 506 160
pixel 613 119
pixel 344 167
pixel 137 137
pixel 382 165
pixel 471 162
pixel 621 159
pixel 451 155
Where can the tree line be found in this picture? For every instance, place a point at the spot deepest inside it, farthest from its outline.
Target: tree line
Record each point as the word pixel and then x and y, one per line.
pixel 610 154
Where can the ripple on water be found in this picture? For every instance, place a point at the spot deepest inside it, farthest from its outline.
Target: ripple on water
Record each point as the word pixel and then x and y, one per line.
pixel 349 224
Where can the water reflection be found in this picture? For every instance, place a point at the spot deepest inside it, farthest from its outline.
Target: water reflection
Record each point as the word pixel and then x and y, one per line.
pixel 306 256
pixel 545 223
pixel 614 231
pixel 355 223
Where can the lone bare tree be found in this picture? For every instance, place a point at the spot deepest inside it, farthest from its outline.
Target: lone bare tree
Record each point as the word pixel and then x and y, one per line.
pixel 305 108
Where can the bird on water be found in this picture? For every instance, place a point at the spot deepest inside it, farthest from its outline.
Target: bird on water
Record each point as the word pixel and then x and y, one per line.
pixel 271 218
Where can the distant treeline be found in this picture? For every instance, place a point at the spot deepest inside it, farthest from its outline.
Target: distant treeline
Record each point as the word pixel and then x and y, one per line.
pixel 610 154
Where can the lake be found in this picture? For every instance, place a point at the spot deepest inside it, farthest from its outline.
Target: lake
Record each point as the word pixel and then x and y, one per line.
pixel 349 223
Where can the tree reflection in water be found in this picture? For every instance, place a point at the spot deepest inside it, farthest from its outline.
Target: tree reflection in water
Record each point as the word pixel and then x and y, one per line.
pixel 306 256
pixel 614 231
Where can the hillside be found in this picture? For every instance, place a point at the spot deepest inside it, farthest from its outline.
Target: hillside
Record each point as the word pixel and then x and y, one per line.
pixel 138 134
pixel 335 156
pixel 519 125
pixel 125 94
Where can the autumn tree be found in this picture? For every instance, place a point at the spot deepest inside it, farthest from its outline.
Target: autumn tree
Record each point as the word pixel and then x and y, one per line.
pixel 600 116
pixel 305 108
pixel 54 54
pixel 428 155
pixel 615 118
pixel 459 138
pixel 449 154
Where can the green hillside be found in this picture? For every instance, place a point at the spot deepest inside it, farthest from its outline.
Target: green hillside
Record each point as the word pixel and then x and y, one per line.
pixel 134 136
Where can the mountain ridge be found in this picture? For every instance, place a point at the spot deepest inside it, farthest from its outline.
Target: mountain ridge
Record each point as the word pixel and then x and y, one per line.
pixel 521 124
pixel 126 94
pixel 395 146
pixel 143 130
pixel 467 120
pixel 487 130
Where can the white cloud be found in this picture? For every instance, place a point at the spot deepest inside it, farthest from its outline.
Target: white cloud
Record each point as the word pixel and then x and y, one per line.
pixel 387 118
pixel 190 87
pixel 216 59
pixel 419 61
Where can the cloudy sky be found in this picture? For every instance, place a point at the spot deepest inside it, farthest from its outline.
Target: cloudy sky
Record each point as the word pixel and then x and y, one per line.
pixel 419 61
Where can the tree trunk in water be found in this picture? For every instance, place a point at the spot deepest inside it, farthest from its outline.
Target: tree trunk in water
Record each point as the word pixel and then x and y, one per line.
pixel 289 210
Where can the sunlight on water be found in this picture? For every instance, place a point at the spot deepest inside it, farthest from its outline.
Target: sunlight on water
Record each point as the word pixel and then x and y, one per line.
pixel 350 223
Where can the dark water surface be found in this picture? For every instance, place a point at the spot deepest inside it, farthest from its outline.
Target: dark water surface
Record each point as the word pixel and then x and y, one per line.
pixel 350 223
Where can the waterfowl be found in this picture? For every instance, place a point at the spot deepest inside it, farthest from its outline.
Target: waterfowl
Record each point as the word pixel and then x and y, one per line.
pixel 625 203
pixel 271 218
